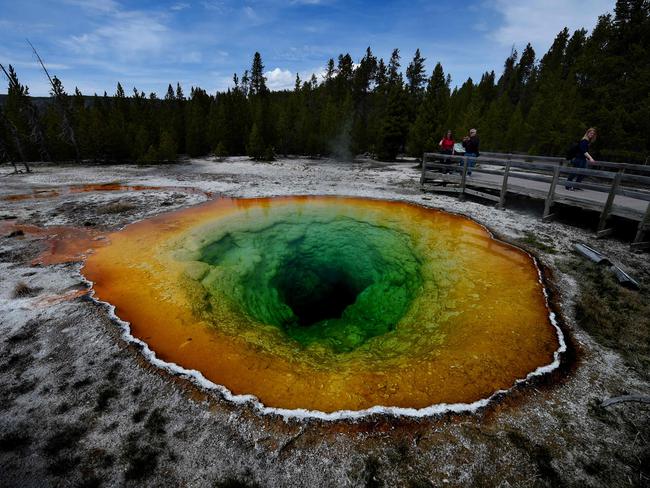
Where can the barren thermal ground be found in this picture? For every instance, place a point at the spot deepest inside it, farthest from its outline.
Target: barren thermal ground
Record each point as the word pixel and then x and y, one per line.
pixel 308 323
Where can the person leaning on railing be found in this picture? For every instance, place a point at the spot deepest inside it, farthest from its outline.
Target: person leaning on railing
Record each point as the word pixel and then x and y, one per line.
pixel 471 143
pixel 581 158
pixel 446 145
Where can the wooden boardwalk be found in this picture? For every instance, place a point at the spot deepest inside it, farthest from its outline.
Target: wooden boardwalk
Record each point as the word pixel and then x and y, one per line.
pixel 612 189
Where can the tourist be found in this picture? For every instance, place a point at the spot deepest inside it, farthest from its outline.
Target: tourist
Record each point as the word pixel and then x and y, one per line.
pixel 471 143
pixel 446 145
pixel 581 157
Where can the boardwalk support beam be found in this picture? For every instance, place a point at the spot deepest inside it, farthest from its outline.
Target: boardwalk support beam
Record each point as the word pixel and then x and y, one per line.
pixel 603 231
pixel 463 180
pixel 642 230
pixel 504 187
pixel 551 194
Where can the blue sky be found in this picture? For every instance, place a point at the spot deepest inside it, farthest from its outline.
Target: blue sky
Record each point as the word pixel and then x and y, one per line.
pixel 93 44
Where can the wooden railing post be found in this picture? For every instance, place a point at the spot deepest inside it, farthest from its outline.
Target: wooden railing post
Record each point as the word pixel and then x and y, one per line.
pixel 504 186
pixel 644 227
pixel 604 215
pixel 424 168
pixel 463 179
pixel 551 194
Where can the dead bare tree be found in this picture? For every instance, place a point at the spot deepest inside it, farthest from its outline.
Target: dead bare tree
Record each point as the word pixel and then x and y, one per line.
pixel 15 135
pixel 4 153
pixel 29 111
pixel 61 99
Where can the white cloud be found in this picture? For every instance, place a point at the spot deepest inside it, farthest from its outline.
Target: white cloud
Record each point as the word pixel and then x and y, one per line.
pixel 215 5
pixel 124 35
pixel 308 2
pixel 253 17
pixel 284 79
pixel 105 6
pixel 539 21
pixel 191 57
pixel 179 6
pixel 280 79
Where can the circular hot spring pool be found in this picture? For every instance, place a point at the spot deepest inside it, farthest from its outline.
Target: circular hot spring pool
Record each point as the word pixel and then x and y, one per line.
pixel 330 305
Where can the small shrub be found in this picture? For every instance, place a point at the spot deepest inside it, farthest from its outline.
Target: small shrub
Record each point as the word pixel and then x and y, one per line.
pixel 117 207
pixel 22 290
pixel 105 395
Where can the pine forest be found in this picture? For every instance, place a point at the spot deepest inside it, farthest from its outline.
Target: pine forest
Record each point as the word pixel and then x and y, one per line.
pixel 536 105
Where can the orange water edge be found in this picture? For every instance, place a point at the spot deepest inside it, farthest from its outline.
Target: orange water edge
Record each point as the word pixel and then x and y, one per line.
pixel 499 331
pixel 38 193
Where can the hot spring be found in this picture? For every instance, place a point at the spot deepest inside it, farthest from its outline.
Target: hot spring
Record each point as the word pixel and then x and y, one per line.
pixel 328 304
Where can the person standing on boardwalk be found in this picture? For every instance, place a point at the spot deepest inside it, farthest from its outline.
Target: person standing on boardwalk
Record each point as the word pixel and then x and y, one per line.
pixel 446 145
pixel 471 143
pixel 581 157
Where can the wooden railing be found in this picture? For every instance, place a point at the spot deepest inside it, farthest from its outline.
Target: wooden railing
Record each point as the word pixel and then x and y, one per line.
pixel 450 174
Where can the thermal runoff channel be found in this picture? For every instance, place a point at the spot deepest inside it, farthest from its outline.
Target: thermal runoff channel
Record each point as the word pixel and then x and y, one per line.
pixel 327 303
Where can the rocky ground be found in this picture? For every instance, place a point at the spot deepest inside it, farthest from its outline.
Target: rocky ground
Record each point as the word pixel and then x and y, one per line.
pixel 80 407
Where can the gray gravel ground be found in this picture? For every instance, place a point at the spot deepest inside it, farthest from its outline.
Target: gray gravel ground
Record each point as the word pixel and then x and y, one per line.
pixel 80 407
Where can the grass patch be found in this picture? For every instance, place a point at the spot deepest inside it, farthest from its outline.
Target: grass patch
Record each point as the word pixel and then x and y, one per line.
pixel 540 455
pixel 371 473
pixel 82 383
pixel 533 240
pixel 156 422
pixel 616 317
pixel 93 481
pixel 141 456
pixel 139 416
pixel 62 465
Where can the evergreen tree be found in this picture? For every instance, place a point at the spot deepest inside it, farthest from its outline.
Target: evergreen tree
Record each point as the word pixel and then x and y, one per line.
pixel 258 80
pixel 432 115
pixel 168 147
pixel 394 126
pixel 597 79
pixel 394 75
pixel 415 75
pixel 221 152
pixel 255 147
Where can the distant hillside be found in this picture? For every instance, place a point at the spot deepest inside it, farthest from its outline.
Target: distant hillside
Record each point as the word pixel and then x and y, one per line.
pixel 44 101
pixel 38 101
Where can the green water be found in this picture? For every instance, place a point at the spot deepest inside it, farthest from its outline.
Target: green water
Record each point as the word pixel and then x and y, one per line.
pixel 335 282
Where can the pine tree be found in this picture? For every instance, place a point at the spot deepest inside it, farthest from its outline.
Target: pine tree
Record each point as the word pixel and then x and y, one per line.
pixel 15 122
pixel 255 147
pixel 428 127
pixel 220 151
pixel 394 126
pixel 415 75
pixel 258 80
pixel 169 96
pixel 394 75
pixel 330 71
pixel 168 147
